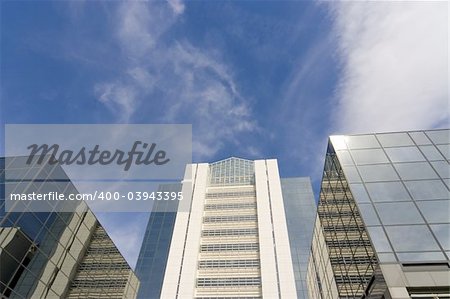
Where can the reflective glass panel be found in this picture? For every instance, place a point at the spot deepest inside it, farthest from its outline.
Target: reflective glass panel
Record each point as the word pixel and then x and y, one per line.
pixel 374 173
pixel 379 239
pixel 404 154
pixel 447 182
pixel 398 213
pixel 419 138
pixel 368 214
pixel 431 153
pixel 439 136
pixel 369 156
pixel 435 211
pixel 359 193
pixel 387 191
pixel 338 142
pixel 420 256
pixel 411 238
pixel 442 168
pixel 362 141
pixel 429 189
pixel 445 150
pixel 416 171
pixel 442 233
pixel 394 139
pixel 351 174
pixel 344 158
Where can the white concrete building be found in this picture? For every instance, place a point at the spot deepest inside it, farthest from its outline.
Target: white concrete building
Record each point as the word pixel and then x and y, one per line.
pixel 234 242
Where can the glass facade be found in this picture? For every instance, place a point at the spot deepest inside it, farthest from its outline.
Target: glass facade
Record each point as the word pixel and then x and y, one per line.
pixel 57 255
pixel 352 258
pixel 300 210
pixel 412 181
pixel 151 264
pixel 232 171
pixel 394 187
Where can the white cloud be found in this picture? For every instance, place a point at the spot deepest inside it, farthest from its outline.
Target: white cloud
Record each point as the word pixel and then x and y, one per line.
pixel 169 81
pixel 192 84
pixel 118 97
pixel 142 77
pixel 394 59
pixel 134 21
pixel 177 6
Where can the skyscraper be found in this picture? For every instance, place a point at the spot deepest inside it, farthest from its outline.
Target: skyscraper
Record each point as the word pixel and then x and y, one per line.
pixel 383 222
pixel 238 240
pixel 300 209
pixel 152 259
pixel 56 254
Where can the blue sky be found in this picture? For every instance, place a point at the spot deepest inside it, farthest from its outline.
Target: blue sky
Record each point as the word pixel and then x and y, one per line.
pixel 256 79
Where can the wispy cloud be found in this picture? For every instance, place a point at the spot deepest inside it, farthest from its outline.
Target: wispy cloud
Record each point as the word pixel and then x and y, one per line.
pixel 120 98
pixel 305 108
pixel 162 79
pixel 394 59
pixel 177 6
pixel 183 83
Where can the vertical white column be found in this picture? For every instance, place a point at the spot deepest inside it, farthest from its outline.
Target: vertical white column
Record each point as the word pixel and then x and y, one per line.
pixel 266 242
pixel 283 249
pixel 174 260
pixel 191 250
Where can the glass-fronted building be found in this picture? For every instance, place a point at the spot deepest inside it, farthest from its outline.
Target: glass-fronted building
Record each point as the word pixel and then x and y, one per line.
pixel 246 235
pixel 383 223
pixel 154 252
pixel 56 254
pixel 300 209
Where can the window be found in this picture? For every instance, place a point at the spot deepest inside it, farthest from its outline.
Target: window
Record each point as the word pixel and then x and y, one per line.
pixel 338 142
pixel 228 264
pixel 369 156
pixel 348 243
pixel 429 189
pixel 411 238
pixel 445 150
pixel 439 136
pixel 362 141
pixel 344 157
pixel 404 154
pixel 387 191
pixel 230 247
pixel 431 153
pixel 419 138
pixel 99 283
pixel 435 211
pixel 442 233
pixel 233 218
pixel 379 239
pixel 359 193
pixel 394 139
pixel 380 172
pixel 227 282
pixel 368 214
pixel 353 259
pixel 231 206
pixel 231 194
pixel 398 213
pixel 415 171
pixel 230 232
pixel 442 168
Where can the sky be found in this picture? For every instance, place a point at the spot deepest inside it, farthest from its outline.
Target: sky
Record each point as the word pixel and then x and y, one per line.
pixel 256 79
